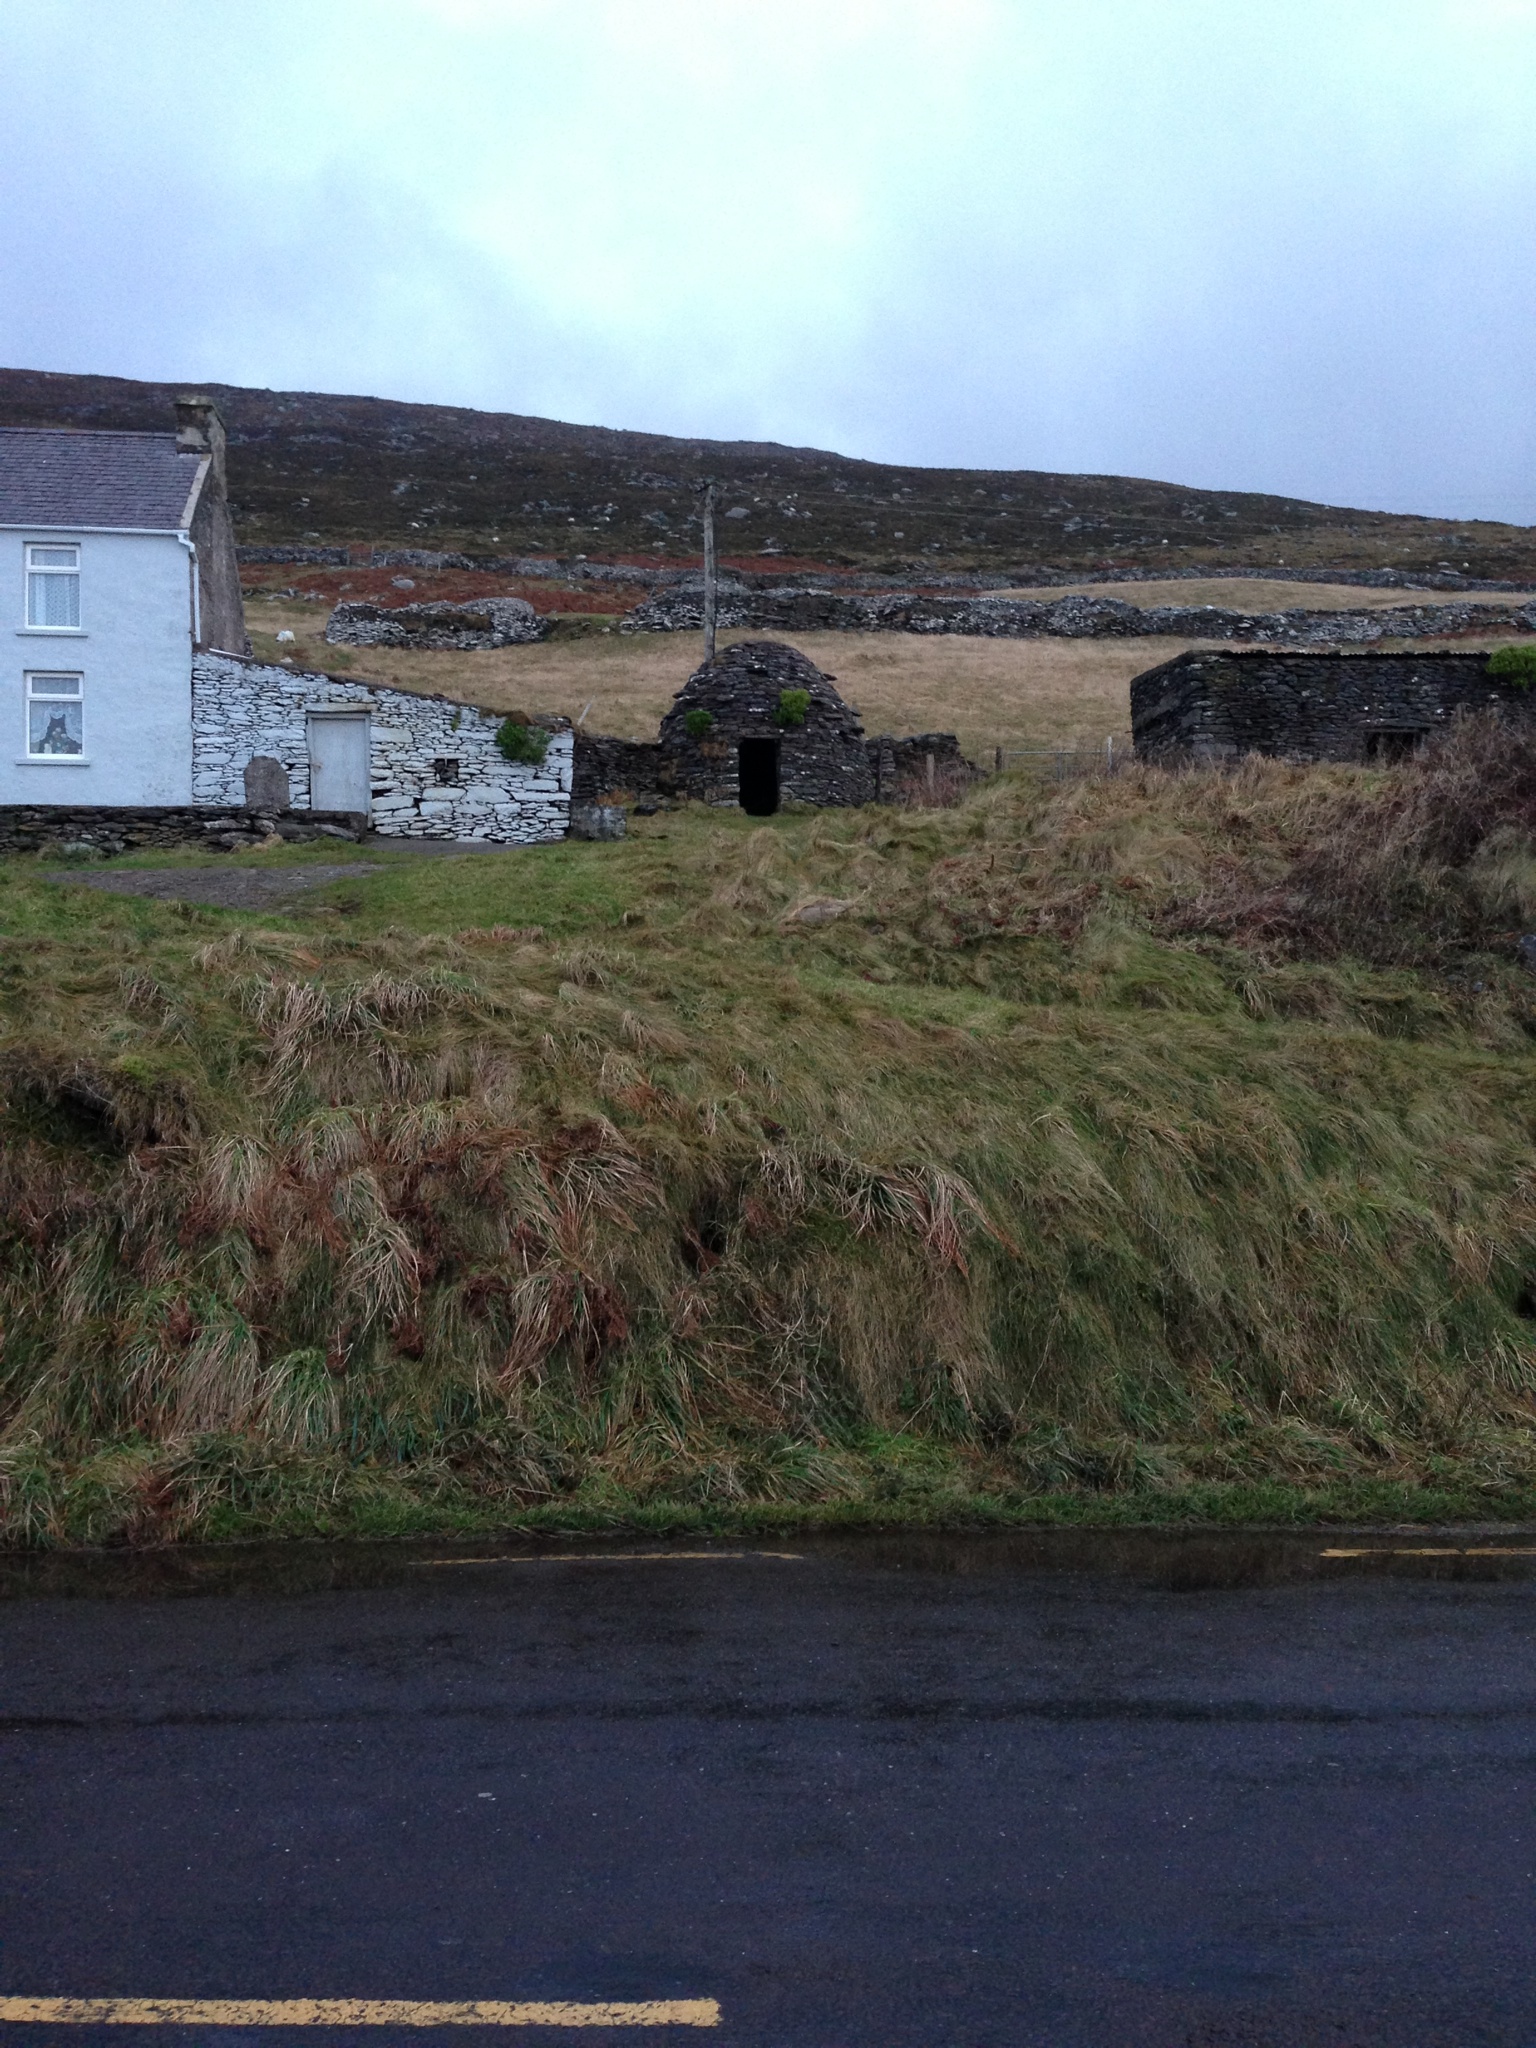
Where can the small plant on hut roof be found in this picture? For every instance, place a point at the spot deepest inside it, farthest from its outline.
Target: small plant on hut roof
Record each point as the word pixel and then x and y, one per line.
pixel 793 705
pixel 522 741
pixel 700 723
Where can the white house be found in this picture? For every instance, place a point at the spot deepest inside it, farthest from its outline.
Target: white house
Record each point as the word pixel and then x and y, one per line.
pixel 131 684
pixel 120 562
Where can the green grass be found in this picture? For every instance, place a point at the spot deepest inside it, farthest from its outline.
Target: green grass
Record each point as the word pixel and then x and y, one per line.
pixel 1153 1151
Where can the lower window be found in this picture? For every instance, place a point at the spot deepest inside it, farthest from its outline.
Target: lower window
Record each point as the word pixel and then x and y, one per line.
pixel 55 716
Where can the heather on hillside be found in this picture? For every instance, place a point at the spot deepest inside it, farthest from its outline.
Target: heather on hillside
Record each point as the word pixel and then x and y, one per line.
pixel 1141 1147
pixel 308 467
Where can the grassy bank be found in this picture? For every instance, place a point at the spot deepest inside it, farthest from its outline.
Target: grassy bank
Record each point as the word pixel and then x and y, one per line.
pixel 1126 1151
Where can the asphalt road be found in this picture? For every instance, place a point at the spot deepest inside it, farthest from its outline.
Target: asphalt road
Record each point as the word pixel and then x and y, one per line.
pixel 885 1792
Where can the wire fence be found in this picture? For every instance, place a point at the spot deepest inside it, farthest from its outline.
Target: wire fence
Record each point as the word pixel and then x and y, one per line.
pixel 1066 764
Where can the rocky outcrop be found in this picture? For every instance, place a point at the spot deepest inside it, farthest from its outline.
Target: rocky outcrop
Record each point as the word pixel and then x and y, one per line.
pixel 477 623
pixel 1074 617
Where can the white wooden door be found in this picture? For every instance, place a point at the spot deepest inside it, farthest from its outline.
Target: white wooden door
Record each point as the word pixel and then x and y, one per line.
pixel 338 762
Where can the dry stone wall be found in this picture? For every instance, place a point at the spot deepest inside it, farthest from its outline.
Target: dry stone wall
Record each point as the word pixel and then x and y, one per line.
pixel 436 771
pixel 1075 617
pixel 439 627
pixel 129 828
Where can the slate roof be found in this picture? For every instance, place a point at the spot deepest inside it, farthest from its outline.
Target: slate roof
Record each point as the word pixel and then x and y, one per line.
pixel 54 476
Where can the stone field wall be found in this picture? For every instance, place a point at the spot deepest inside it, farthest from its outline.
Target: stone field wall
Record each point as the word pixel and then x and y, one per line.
pixel 128 828
pixel 246 708
pixel 437 627
pixel 1308 707
pixel 820 611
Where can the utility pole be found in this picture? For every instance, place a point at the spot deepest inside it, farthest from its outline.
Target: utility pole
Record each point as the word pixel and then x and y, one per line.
pixel 709 569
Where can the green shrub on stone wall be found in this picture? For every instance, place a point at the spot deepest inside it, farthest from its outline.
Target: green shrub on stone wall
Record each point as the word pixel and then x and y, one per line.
pixel 793 705
pixel 526 743
pixel 1515 665
pixel 700 723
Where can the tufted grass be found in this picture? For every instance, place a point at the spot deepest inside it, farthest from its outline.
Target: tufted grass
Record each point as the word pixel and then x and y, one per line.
pixel 1147 1150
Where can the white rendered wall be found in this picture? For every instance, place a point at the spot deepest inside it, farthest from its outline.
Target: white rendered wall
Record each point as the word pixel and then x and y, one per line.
pixel 134 649
pixel 241 708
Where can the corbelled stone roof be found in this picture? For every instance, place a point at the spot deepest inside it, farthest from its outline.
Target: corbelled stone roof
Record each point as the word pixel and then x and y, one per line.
pixel 53 476
pixel 742 685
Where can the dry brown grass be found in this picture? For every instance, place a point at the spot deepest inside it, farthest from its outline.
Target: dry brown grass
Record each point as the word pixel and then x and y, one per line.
pixel 993 693
pixel 1008 693
pixel 1070 1152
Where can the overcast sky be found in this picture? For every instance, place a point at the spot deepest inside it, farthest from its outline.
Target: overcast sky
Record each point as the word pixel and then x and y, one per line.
pixel 1258 244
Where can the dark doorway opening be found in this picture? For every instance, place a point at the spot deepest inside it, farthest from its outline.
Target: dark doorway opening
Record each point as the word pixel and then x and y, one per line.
pixel 757 777
pixel 1394 744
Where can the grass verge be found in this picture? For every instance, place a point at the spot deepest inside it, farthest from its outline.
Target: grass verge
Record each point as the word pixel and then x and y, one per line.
pixel 1155 1150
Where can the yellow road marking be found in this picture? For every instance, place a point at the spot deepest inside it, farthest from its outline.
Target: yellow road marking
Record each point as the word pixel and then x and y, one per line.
pixel 1478 1550
pixel 351 2012
pixel 622 1557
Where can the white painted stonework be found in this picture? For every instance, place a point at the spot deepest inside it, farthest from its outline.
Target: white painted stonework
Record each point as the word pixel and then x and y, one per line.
pixel 241 708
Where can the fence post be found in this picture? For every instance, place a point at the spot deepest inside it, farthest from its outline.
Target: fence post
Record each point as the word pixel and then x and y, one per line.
pixel 999 761
pixel 928 773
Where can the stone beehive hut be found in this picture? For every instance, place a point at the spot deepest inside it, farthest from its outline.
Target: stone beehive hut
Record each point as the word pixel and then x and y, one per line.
pixel 763 745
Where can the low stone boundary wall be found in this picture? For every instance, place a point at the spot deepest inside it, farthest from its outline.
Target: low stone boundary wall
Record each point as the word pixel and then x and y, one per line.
pixel 650 771
pixel 442 627
pixel 1003 618
pixel 110 829
pixel 602 764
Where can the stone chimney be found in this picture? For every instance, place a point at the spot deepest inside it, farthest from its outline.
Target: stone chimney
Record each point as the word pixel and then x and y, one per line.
pixel 200 431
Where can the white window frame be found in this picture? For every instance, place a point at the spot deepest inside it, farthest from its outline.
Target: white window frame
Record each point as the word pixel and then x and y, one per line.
pixel 31 694
pixel 36 568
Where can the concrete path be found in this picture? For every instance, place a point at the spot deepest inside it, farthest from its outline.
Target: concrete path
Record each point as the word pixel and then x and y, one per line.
pixel 880 1794
pixel 236 886
pixel 228 888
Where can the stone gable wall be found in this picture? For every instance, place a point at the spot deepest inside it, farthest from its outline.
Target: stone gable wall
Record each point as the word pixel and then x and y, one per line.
pixel 1307 707
pixel 245 708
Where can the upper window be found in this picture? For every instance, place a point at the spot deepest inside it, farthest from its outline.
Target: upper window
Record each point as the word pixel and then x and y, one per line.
pixel 53 588
pixel 55 721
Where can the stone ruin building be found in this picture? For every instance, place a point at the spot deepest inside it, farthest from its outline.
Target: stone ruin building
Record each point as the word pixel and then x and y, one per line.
pixel 1219 705
pixel 758 726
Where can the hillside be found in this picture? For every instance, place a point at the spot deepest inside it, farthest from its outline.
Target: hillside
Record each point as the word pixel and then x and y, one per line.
pixel 309 467
pixel 1141 1149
